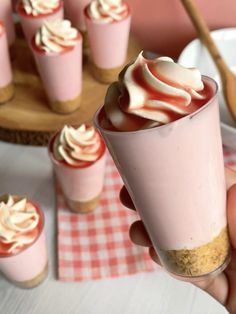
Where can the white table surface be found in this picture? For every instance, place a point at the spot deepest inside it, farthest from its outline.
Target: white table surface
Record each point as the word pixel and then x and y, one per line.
pixel 26 170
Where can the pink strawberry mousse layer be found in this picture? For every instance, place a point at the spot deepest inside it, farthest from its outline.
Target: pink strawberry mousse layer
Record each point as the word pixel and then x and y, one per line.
pixel 31 23
pixel 60 71
pixel 55 69
pixel 28 262
pixel 174 171
pixel 108 41
pixel 6 16
pixel 83 180
pixel 5 66
pixel 74 11
pixel 173 216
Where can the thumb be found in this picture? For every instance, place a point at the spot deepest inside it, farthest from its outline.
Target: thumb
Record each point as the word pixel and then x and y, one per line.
pixel 231 214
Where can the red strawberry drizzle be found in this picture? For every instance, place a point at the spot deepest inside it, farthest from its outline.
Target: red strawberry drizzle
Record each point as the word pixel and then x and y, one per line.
pixel 21 10
pixel 153 95
pixel 81 164
pixel 5 247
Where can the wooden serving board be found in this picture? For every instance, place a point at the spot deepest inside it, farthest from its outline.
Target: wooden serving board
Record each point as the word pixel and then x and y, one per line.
pixel 27 119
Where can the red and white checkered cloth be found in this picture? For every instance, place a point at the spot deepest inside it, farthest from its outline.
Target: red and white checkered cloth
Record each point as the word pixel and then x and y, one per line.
pixel 97 245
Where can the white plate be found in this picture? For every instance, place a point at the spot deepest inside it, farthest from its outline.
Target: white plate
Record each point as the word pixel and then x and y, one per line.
pixel 196 55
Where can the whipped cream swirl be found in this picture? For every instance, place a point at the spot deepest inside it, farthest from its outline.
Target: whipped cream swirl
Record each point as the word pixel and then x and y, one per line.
pixel 37 7
pixel 56 36
pixel 18 223
pixel 107 11
pixel 152 92
pixel 77 146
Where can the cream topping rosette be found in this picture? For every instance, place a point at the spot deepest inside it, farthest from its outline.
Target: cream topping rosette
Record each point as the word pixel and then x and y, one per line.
pixel 152 92
pixel 106 11
pixel 56 36
pixel 37 7
pixel 18 223
pixel 77 146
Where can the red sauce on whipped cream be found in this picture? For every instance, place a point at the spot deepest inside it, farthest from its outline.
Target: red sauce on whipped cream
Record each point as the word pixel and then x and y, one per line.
pixel 81 164
pixel 154 92
pixel 175 100
pixel 105 17
pixel 42 51
pixel 21 10
pixel 4 248
pixel 194 106
pixel 56 37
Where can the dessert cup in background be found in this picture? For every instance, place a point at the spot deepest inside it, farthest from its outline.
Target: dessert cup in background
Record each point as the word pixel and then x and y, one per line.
pixel 108 27
pixel 6 79
pixel 23 254
pixel 57 50
pixel 74 11
pixel 161 126
pixel 33 13
pixel 6 16
pixel 78 155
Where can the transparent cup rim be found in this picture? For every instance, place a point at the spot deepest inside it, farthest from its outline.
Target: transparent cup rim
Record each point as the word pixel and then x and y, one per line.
pixel 179 121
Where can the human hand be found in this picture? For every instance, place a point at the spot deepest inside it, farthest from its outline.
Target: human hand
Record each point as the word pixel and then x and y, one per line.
pixel 223 286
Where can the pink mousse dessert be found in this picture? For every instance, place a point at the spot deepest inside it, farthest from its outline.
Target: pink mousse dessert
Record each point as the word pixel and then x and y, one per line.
pixel 6 80
pixel 6 17
pixel 33 13
pixel 78 155
pixel 108 27
pixel 23 255
pixel 74 11
pixel 161 125
pixel 57 49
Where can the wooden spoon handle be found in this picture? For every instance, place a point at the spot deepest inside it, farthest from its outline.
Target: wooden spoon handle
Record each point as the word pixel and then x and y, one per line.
pixel 204 34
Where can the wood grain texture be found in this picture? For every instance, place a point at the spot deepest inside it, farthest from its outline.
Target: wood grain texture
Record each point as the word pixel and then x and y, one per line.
pixel 27 118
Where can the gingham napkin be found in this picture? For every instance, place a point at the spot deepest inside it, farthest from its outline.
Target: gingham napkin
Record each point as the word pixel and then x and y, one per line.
pixel 97 245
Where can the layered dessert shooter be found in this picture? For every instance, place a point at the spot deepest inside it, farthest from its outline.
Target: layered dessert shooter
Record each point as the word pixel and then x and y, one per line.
pixel 33 13
pixel 57 49
pixel 78 155
pixel 23 254
pixel 161 124
pixel 74 11
pixel 108 27
pixel 6 79
pixel 6 16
